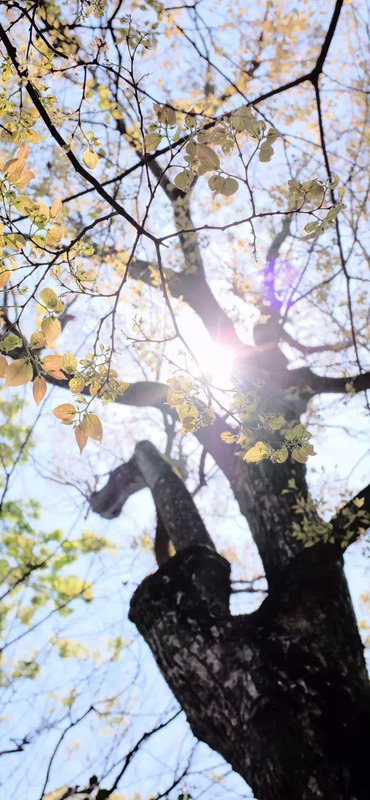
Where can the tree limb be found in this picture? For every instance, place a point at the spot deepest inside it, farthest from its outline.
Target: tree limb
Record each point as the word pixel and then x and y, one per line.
pixel 324 384
pixel 312 349
pixel 176 509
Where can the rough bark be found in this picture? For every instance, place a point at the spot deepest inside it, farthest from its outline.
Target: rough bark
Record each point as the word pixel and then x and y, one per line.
pixel 282 693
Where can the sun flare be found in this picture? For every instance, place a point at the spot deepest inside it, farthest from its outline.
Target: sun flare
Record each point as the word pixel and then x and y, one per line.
pixel 214 360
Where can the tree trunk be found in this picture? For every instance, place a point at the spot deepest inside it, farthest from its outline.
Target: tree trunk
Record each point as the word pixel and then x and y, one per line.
pixel 281 694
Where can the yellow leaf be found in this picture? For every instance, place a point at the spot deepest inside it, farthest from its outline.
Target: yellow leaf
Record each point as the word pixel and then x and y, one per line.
pixel 56 207
pixel 299 454
pixel 47 295
pixel 24 204
pixel 94 388
pixel 5 276
pixel 184 179
pixel 76 385
pixel 43 210
pixel 69 362
pixel 229 187
pixel 280 455
pixel 224 186
pixel 3 366
pixel 53 236
pixel 275 423
pixel 56 373
pixel 37 340
pixel 151 141
pixel 27 176
pixel 13 169
pixel 227 437
pixel 18 372
pixel 266 151
pixel 32 136
pixel 81 438
pixel 15 240
pixel 59 307
pixel 23 151
pixel 92 427
pixel 257 453
pixel 51 329
pixel 90 158
pixel 39 389
pixel 167 116
pixel 66 412
pixel 359 501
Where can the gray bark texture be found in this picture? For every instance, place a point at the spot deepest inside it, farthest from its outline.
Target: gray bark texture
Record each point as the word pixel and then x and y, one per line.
pixel 282 693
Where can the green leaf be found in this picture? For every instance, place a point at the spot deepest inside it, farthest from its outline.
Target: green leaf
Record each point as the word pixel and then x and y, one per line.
pixel 184 179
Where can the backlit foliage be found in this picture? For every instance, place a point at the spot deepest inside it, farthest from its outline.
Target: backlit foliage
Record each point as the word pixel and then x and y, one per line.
pixel 156 157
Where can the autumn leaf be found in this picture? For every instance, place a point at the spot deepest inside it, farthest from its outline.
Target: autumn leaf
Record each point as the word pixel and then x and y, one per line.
pixel 13 169
pixel 207 158
pixel 281 455
pixel 92 427
pixel 152 140
pixel 69 362
pixel 23 151
pixel 227 437
pixel 39 389
pixel 37 340
pixel 257 453
pixel 56 207
pixel 66 412
pixel 5 276
pixel 52 364
pixel 47 296
pixel 90 158
pixel 51 329
pixel 81 438
pixel 3 366
pixel 19 372
pixel 53 236
pixel 76 384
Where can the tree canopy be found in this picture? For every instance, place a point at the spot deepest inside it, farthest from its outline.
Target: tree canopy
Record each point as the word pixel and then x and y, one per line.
pixel 184 260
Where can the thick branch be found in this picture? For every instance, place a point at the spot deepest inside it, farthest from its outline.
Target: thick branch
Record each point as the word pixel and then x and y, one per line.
pixel 123 481
pixel 324 384
pixel 177 511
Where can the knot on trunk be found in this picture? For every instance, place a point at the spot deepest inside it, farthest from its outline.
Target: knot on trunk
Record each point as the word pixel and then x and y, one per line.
pixel 196 580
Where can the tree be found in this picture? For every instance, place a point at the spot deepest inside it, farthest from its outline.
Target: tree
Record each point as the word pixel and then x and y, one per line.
pixel 184 197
